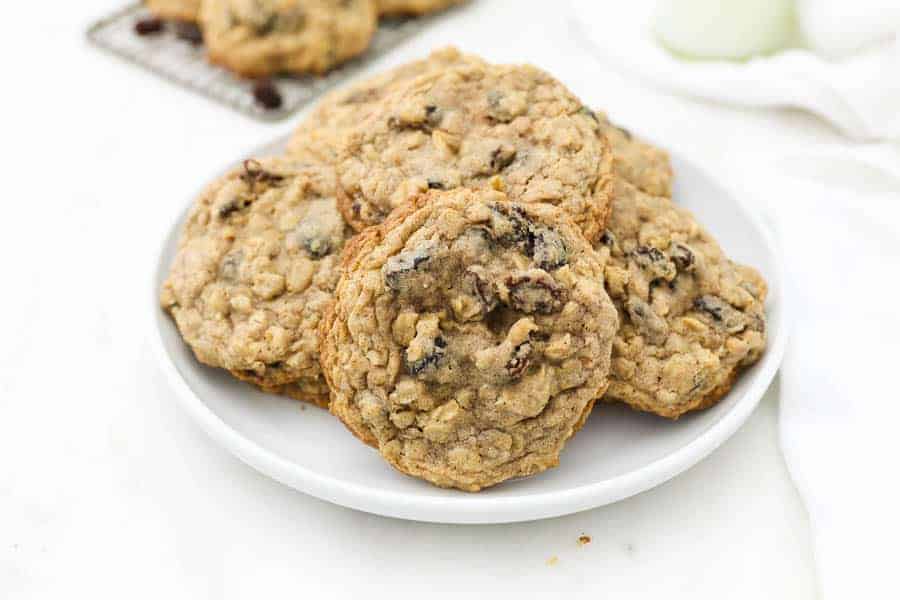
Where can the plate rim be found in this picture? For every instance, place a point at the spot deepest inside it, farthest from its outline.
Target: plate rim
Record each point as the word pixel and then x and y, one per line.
pixel 478 509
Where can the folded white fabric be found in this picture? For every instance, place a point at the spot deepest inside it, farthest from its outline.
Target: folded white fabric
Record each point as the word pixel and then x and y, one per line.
pixel 839 224
pixel 859 94
pixel 841 27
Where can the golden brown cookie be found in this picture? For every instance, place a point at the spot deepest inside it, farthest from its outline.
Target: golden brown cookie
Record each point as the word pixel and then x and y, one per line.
pixel 255 271
pixel 257 38
pixel 505 127
pixel 413 7
pixel 179 10
pixel 319 135
pixel 639 163
pixel 315 392
pixel 469 337
pixel 691 318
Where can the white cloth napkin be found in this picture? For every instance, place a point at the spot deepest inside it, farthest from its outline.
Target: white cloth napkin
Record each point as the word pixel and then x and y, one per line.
pixel 841 27
pixel 859 94
pixel 838 219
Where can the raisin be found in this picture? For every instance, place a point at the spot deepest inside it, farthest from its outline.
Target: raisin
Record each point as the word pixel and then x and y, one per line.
pixel 502 157
pixel 255 173
pixel 475 284
pixel 649 254
pixel 428 362
pixel 510 224
pixel 189 32
pixel 232 206
pixel 548 249
pixel 723 314
pixel 650 324
pixel 607 238
pixel 428 120
pixel 519 360
pixel 535 291
pixel 266 94
pixel 682 256
pixel 434 184
pixel 399 269
pixel 655 262
pixel 149 26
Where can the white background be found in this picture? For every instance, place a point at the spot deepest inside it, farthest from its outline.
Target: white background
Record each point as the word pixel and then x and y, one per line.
pixel 107 490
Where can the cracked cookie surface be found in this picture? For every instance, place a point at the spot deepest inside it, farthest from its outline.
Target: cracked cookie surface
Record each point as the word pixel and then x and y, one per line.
pixel 255 270
pixel 691 318
pixel 413 7
pixel 512 128
pixel 641 164
pixel 179 10
pixel 257 38
pixel 469 337
pixel 319 135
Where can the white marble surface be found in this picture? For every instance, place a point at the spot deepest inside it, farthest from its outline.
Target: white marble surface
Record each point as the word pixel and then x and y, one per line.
pixel 108 491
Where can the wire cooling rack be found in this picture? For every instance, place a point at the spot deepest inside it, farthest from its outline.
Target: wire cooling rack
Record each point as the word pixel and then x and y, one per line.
pixel 178 60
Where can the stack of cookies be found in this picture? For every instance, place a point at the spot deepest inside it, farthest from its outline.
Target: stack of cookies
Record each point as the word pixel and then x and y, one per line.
pixel 459 259
pixel 259 38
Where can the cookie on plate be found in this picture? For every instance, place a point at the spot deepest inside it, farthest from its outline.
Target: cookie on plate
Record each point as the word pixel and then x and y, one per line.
pixel 413 7
pixel 319 135
pixel 641 164
pixel 512 128
pixel 178 10
pixel 691 318
pixel 257 38
pixel 255 270
pixel 469 337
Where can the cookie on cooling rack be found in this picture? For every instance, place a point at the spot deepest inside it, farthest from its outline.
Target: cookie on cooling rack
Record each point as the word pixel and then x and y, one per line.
pixel 413 7
pixel 177 10
pixel 258 38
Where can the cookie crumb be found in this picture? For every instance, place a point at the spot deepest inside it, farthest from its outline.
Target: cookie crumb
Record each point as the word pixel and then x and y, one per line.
pixel 584 540
pixel 552 561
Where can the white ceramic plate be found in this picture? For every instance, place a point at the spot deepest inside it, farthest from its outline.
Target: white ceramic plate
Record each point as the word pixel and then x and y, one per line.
pixel 619 452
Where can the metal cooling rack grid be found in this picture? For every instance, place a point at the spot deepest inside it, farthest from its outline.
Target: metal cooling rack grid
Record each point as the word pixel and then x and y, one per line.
pixel 183 63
